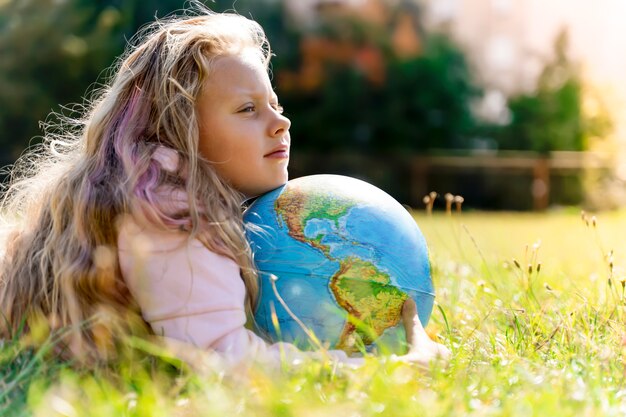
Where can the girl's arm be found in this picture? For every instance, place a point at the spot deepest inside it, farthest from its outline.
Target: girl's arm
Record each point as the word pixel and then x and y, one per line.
pixel 193 295
pixel 422 349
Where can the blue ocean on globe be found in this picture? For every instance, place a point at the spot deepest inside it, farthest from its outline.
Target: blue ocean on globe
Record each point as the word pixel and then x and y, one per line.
pixel 337 256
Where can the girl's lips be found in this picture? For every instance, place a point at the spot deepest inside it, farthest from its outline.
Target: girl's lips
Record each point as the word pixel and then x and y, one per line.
pixel 278 154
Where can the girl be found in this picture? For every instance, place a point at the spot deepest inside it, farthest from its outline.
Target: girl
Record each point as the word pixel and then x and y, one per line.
pixel 137 207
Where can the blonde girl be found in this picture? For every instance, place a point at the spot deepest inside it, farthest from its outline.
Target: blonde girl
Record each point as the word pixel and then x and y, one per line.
pixel 136 208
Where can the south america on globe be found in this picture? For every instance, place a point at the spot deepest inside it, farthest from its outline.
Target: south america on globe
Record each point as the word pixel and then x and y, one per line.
pixel 337 256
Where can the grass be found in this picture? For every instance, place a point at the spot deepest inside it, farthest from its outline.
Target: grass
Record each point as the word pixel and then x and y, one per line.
pixel 532 306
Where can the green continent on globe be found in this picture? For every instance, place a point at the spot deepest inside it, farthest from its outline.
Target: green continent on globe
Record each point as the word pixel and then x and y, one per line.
pixel 359 286
pixel 362 290
pixel 296 208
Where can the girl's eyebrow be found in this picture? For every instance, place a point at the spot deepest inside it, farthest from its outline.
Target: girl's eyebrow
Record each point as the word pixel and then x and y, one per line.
pixel 254 93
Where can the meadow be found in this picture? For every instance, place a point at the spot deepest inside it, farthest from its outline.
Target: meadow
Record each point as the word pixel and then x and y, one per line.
pixel 531 305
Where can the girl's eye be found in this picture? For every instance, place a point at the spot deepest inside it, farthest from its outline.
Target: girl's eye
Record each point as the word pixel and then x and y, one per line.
pixel 247 109
pixel 278 108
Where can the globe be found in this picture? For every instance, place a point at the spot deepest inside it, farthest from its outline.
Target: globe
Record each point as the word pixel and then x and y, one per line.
pixel 337 257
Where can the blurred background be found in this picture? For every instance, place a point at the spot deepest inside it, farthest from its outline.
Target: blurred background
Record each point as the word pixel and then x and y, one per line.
pixel 513 104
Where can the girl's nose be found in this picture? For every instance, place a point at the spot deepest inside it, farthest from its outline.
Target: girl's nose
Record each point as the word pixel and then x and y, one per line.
pixel 280 125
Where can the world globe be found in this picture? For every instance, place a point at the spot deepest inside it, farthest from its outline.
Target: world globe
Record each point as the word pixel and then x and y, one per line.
pixel 337 257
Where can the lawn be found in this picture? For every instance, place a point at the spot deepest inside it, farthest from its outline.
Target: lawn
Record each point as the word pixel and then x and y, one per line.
pixel 532 306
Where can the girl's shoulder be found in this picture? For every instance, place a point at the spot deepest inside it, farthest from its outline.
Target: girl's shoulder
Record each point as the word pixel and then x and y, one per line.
pixel 140 239
pixel 141 236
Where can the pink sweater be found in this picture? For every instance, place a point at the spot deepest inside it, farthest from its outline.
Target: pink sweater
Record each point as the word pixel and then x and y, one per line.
pixel 189 293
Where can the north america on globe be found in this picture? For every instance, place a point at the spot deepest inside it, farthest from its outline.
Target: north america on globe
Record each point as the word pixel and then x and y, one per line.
pixel 359 286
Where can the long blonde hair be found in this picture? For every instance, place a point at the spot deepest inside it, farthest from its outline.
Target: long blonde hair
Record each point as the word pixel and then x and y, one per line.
pixel 60 211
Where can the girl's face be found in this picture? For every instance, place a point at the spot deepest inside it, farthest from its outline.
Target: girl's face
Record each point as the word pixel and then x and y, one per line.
pixel 242 130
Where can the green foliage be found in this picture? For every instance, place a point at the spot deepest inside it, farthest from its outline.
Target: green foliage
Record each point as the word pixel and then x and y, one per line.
pixel 552 118
pixel 426 102
pixel 422 103
pixel 52 51
pixel 21 367
pixel 55 52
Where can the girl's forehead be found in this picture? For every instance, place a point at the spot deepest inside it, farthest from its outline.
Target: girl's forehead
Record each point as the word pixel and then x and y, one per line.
pixel 250 57
pixel 236 75
pixel 238 68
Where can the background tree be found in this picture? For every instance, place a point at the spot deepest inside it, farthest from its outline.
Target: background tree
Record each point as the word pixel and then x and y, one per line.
pixel 51 52
pixel 354 86
pixel 552 118
pixel 54 52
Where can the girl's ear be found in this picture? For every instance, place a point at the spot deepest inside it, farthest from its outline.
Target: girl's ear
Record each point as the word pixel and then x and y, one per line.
pixel 168 158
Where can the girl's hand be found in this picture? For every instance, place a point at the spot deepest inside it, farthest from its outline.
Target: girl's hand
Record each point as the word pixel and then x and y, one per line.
pixel 422 350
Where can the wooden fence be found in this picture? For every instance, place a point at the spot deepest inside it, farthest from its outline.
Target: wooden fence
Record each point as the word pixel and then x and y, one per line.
pixel 511 180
